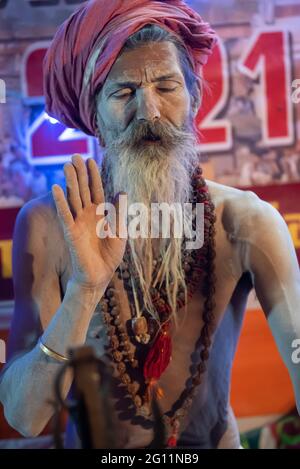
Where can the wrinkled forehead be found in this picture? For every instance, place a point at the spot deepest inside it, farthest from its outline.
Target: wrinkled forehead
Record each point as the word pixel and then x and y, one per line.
pixel 145 62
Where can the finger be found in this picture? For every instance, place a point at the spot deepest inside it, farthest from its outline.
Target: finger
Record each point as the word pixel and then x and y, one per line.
pixel 83 180
pixel 96 187
pixel 62 207
pixel 73 194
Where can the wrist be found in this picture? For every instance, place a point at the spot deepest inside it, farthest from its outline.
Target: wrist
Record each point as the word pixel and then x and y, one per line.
pixel 87 291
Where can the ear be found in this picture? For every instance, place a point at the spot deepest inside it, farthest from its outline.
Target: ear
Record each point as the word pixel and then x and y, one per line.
pixel 197 98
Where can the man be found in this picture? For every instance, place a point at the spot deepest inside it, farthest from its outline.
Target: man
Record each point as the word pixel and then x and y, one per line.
pixel 129 73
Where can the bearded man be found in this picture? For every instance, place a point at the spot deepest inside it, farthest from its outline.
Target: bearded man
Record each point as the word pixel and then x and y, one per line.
pixel 130 74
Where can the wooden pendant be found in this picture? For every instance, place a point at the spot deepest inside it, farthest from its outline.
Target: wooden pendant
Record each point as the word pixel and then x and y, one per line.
pixel 140 330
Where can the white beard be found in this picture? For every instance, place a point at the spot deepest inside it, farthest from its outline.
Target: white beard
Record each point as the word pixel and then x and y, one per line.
pixel 153 173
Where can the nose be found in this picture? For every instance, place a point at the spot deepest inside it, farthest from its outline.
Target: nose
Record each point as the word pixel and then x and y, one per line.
pixel 147 106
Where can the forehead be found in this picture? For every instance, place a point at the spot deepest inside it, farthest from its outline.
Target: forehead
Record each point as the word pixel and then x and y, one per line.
pixel 148 60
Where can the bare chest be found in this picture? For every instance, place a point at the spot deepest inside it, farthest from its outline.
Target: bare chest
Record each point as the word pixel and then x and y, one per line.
pixel 185 342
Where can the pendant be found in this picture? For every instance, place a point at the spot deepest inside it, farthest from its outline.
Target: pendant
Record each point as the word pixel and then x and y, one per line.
pixel 140 330
pixel 159 356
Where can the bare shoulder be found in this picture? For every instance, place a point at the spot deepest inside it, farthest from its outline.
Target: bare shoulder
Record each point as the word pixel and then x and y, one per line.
pixel 42 208
pixel 38 227
pixel 242 210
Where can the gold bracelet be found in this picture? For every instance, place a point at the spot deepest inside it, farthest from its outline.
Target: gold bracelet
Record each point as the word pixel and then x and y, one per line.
pixel 51 353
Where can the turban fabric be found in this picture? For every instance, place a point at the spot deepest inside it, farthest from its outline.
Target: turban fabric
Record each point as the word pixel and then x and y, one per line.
pixel 87 44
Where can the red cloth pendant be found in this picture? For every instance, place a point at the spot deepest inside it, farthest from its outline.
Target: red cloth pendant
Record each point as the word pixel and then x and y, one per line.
pixel 172 442
pixel 158 357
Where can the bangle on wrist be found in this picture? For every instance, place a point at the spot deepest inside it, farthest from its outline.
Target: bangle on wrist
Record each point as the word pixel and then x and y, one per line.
pixel 52 353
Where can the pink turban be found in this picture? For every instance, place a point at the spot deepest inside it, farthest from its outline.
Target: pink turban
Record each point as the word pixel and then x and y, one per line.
pixel 87 44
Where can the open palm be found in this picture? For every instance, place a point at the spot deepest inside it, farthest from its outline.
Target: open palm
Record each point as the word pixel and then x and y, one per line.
pixel 94 260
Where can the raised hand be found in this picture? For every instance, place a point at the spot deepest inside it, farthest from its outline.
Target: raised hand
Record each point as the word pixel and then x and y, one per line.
pixel 94 260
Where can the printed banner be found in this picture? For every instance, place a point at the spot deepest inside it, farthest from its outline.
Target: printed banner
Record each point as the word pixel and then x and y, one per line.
pixel 250 118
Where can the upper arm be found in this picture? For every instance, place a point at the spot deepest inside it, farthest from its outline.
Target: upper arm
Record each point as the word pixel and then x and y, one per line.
pixel 35 275
pixel 269 255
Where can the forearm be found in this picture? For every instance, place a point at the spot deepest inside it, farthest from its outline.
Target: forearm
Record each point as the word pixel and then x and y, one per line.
pixel 284 321
pixel 27 384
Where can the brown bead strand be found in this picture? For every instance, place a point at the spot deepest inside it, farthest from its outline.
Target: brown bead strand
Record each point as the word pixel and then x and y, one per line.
pixel 175 421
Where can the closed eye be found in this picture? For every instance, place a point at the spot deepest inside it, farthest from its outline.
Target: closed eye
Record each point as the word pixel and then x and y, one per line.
pixel 131 92
pixel 167 90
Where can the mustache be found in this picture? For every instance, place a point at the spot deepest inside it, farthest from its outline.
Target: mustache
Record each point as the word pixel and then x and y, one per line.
pixel 165 134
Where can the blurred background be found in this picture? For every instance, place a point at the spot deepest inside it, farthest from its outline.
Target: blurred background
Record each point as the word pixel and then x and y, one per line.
pixel 249 127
